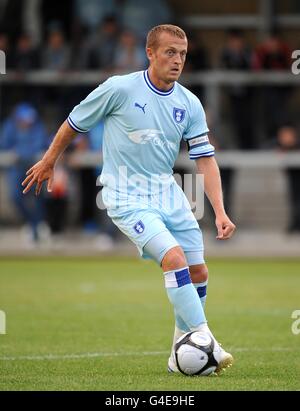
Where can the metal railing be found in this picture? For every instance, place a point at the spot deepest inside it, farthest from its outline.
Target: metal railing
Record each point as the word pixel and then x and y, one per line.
pixel 232 158
pixel 207 77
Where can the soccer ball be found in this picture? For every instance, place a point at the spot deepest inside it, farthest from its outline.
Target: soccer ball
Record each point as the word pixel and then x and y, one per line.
pixel 194 354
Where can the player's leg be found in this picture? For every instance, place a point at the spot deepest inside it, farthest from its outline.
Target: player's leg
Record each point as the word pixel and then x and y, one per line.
pixel 180 289
pixel 30 206
pixel 189 314
pixel 164 249
pixel 199 276
pixel 146 228
pixel 192 242
pixel 148 231
pixel 187 233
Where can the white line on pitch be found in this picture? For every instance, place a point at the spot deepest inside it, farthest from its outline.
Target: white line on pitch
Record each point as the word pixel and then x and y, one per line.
pixel 127 354
pixel 79 356
pixel 257 349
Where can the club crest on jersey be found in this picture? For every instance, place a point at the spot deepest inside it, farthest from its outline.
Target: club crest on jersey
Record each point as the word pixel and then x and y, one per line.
pixel 139 227
pixel 178 114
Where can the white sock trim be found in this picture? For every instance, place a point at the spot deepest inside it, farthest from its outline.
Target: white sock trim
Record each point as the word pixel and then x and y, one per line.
pixel 203 327
pixel 170 277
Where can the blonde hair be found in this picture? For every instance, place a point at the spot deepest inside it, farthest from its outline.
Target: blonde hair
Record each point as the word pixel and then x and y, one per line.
pixel 155 32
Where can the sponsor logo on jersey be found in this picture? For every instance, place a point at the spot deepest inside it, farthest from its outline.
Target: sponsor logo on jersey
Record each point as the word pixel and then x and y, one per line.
pixel 150 136
pixel 178 114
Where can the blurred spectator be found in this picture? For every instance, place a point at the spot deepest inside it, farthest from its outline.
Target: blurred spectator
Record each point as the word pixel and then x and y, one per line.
pixel 130 55
pixel 87 188
pixel 99 49
pixel 197 57
pixel 107 231
pixel 26 56
pixel 11 17
pixel 57 201
pixel 92 220
pixel 59 11
pixel 24 133
pixel 273 54
pixel 56 55
pixel 287 140
pixel 89 14
pixel 196 60
pixel 228 174
pixel 140 16
pixel 32 22
pixel 236 55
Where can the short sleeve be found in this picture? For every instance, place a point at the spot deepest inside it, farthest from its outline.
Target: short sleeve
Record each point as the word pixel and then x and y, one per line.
pixel 196 134
pixel 97 105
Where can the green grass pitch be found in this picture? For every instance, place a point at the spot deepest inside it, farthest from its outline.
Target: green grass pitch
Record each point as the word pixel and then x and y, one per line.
pixel 106 324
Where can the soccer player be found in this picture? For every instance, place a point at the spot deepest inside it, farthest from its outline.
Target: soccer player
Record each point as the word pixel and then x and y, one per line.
pixel 146 114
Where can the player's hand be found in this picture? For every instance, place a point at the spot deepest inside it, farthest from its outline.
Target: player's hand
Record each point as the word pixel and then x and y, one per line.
pixel 225 227
pixel 40 172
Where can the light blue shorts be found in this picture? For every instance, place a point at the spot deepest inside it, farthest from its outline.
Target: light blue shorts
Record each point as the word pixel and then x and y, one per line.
pixel 157 223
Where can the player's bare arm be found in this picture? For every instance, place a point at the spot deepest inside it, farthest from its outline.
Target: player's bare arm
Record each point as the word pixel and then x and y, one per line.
pixel 213 189
pixel 44 169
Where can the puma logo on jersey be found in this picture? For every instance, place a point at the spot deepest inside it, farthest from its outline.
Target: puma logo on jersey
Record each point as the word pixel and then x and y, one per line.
pixel 141 107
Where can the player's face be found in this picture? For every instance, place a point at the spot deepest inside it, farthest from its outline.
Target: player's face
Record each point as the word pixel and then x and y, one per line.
pixel 167 60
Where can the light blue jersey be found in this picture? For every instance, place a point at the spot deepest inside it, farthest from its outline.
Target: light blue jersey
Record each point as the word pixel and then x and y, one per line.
pixel 143 128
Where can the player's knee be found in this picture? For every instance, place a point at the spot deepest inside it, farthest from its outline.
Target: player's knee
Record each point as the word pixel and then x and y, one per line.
pixel 173 259
pixel 199 273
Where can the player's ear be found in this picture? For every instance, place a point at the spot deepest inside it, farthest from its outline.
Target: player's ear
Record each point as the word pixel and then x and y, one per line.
pixel 149 52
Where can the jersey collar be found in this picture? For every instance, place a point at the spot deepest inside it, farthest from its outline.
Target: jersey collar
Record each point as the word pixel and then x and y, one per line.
pixel 155 89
